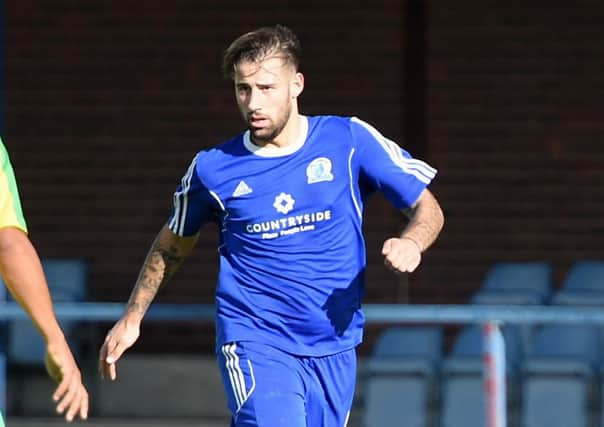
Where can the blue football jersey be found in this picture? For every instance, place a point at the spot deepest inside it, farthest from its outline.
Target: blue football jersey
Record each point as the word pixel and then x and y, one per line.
pixel 292 252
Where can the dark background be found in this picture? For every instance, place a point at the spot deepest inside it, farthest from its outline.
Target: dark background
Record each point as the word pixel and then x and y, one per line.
pixel 105 104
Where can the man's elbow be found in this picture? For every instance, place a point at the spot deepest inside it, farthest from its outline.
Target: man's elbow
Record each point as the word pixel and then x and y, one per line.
pixel 440 220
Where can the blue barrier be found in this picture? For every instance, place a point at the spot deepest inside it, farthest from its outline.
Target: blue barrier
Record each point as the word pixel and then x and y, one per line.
pixel 396 313
pixel 374 313
pixel 99 312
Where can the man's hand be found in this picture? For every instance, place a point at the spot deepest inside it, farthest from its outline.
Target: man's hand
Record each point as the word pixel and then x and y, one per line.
pixel 402 254
pixel 120 338
pixel 71 395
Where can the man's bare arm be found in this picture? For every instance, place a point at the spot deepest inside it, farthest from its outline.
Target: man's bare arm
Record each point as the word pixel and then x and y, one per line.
pixel 426 220
pixel 165 257
pixel 403 254
pixel 22 272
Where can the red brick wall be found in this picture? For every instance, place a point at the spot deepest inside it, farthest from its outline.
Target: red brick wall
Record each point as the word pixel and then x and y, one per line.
pixel 106 106
pixel 516 127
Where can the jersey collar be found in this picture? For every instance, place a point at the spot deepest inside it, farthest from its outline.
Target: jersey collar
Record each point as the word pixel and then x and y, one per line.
pixel 276 151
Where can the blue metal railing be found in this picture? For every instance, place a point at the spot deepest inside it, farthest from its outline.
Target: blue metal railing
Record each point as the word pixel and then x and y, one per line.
pixel 374 313
pixel 393 313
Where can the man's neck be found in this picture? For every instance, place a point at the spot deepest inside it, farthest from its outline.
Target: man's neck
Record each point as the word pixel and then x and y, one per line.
pixel 289 135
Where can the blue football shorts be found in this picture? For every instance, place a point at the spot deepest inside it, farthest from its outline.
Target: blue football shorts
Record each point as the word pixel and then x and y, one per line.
pixel 267 387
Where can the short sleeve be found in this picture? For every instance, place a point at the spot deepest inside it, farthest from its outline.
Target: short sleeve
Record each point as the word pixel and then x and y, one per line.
pixel 389 168
pixel 193 204
pixel 11 214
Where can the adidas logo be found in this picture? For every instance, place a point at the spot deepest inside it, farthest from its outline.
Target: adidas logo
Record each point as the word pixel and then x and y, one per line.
pixel 241 189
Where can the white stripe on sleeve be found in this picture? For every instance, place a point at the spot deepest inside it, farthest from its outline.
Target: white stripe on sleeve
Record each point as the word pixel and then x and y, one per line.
pixel 177 224
pixel 354 199
pixel 419 169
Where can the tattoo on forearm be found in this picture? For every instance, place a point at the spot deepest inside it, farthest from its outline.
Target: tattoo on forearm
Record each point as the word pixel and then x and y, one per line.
pixel 159 266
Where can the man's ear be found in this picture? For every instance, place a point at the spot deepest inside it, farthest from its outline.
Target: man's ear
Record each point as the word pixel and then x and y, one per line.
pixel 297 85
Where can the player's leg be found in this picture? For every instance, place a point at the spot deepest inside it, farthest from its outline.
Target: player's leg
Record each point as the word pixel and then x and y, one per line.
pixel 263 386
pixel 331 392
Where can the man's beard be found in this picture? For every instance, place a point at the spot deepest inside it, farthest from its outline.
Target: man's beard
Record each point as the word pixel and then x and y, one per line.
pixel 272 132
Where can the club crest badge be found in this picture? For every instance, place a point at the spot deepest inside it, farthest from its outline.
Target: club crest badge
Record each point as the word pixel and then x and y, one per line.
pixel 319 170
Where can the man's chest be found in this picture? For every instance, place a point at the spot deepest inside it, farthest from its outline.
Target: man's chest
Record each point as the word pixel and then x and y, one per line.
pixel 278 196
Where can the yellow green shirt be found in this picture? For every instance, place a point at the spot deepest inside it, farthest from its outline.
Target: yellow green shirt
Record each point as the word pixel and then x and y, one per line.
pixel 11 214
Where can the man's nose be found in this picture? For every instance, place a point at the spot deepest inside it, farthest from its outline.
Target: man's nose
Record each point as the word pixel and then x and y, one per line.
pixel 255 101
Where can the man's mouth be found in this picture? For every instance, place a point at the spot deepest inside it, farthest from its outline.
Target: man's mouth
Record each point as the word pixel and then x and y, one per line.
pixel 258 121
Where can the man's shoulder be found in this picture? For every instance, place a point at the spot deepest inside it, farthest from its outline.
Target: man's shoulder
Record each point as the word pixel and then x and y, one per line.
pixel 343 123
pixel 229 148
pixel 328 125
pixel 331 119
